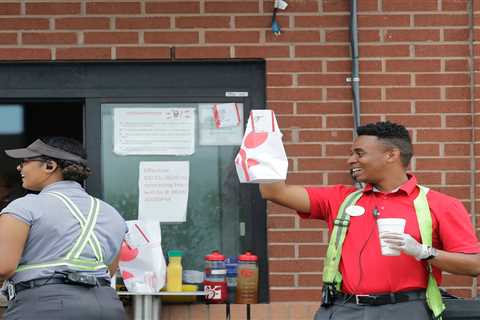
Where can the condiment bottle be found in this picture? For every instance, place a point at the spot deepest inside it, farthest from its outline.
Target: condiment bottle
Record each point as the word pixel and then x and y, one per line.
pixel 174 271
pixel 215 284
pixel 247 279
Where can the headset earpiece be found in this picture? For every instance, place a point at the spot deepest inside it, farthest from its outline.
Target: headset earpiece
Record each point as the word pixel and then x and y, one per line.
pixel 49 166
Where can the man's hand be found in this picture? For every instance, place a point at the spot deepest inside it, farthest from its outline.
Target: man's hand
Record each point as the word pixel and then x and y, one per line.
pixel 405 243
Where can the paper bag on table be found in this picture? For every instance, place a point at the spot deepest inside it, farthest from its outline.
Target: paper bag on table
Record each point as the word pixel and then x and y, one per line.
pixel 141 262
pixel 261 157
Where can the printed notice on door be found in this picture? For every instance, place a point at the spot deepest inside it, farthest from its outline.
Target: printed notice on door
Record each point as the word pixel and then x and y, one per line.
pixel 154 131
pixel 163 190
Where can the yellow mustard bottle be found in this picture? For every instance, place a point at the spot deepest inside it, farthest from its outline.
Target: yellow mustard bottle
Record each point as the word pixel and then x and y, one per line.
pixel 174 271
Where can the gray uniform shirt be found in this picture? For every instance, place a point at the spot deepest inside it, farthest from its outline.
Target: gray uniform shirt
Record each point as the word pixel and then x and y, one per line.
pixel 54 230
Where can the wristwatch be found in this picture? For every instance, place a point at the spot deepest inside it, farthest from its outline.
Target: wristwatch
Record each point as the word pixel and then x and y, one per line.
pixel 432 253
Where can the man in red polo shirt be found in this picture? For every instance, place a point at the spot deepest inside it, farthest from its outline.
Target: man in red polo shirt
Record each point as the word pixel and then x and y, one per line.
pixel 379 159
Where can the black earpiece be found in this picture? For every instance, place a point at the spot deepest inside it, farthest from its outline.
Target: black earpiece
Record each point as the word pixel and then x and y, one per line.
pixel 49 166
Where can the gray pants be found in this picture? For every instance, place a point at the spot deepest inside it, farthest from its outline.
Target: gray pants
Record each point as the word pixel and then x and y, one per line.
pixel 411 310
pixel 62 301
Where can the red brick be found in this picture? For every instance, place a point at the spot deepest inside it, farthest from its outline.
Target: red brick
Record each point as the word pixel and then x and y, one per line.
pixel 294 36
pixel 45 8
pixel 459 120
pixel 321 51
pixel 450 135
pixel 339 178
pixel 426 149
pixel 460 192
pixel 324 107
pixel 8 38
pixel 299 121
pixel 409 5
pixel 336 6
pixel 295 295
pixel 10 9
pixel 84 53
pixel 429 178
pixel 283 222
pixel 346 93
pixel 110 37
pixel 326 135
pixel 322 21
pixel 143 53
pixel 442 163
pixel 281 107
pixel 379 79
pixel 441 20
pixel 281 280
pixel 454 5
pixel 303 150
pixel 113 7
pixel 315 224
pixel 417 93
pixel 458 178
pixel 417 65
pixel 297 265
pixel 457 65
pixel 416 121
pixel 142 23
pixel 294 66
pixel 294 6
pixel 261 51
pixel 281 251
pixel 172 7
pixel 301 178
pixel 456 34
pixel 294 236
pixel 310 280
pixel 334 150
pixel 390 107
pixel 231 7
pixel 204 22
pixel 412 35
pixel 49 38
pixel 210 52
pixel 84 23
pixel 344 36
pixel 346 66
pixel 25 54
pixel 233 37
pixel 457 149
pixel 294 94
pixel 279 80
pixel 312 250
pixel 169 38
pixel 384 51
pixel 441 50
pixel 457 280
pixel 462 293
pixel 322 164
pixel 322 79
pixel 242 22
pixel 23 23
pixel 339 121
pixel 273 208
pixel 442 106
pixel 450 79
pixel 457 92
pixel 384 20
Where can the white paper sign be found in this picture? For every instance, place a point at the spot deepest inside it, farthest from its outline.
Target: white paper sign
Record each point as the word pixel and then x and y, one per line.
pixel 210 135
pixel 156 131
pixel 226 115
pixel 163 190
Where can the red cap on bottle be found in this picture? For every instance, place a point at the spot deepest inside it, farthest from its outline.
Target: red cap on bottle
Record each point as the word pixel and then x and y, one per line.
pixel 215 256
pixel 248 256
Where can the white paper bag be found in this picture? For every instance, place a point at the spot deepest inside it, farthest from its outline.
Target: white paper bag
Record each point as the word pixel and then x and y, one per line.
pixel 142 263
pixel 261 157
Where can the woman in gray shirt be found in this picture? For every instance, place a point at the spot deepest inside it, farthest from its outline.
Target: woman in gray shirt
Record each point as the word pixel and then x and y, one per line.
pixel 59 246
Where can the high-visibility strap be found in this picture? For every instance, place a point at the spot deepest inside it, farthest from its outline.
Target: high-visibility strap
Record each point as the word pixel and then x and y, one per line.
pixel 87 227
pixel 331 274
pixel 424 217
pixel 87 235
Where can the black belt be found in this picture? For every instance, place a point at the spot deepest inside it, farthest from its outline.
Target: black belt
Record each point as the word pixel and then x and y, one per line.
pixel 101 282
pixel 381 299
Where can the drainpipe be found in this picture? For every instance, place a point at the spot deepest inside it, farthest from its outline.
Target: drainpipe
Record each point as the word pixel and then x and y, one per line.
pixel 354 79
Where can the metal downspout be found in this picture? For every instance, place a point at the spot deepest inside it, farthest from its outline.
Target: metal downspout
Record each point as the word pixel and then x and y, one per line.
pixel 355 79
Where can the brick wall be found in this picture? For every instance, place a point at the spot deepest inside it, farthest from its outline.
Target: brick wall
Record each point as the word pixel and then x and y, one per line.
pixel 417 60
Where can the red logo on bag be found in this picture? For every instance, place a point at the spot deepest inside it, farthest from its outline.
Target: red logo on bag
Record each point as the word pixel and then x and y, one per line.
pixel 127 253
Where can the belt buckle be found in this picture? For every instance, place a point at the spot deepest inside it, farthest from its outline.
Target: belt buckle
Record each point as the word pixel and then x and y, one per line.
pixel 357 296
pixel 10 291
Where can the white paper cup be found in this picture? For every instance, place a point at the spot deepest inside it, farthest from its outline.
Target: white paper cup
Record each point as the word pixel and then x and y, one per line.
pixel 390 225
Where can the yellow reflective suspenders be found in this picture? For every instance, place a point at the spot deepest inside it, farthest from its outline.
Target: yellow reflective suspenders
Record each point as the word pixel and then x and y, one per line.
pixel 73 258
pixel 332 277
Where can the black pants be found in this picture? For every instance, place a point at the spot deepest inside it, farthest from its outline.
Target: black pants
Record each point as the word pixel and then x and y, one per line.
pixel 341 310
pixel 63 301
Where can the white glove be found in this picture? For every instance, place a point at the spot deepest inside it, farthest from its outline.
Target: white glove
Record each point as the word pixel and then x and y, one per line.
pixel 405 243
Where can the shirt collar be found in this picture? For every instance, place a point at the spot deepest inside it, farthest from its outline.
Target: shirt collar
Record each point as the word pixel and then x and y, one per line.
pixel 408 187
pixel 62 185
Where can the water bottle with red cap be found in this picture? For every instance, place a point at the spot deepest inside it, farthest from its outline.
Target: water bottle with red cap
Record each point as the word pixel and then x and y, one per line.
pixel 247 278
pixel 215 282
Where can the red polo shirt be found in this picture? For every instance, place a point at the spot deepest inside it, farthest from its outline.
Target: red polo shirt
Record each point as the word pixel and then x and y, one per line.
pixel 364 269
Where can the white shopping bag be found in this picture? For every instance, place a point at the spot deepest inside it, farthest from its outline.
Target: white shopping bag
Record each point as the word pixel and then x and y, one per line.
pixel 261 157
pixel 142 263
